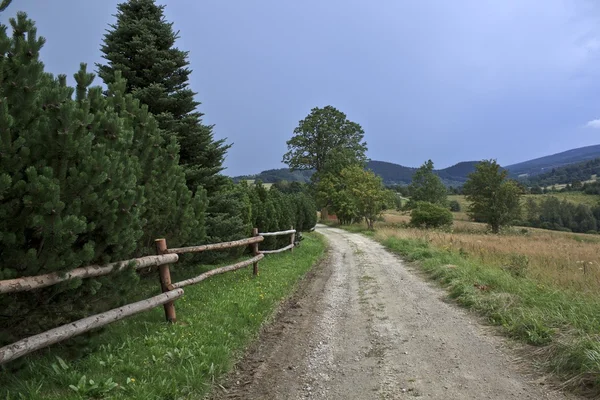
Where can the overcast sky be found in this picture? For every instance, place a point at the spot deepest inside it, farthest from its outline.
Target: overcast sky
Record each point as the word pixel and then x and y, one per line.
pixel 447 80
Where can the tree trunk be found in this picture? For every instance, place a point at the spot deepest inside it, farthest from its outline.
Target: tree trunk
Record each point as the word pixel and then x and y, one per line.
pixel 324 214
pixel 370 224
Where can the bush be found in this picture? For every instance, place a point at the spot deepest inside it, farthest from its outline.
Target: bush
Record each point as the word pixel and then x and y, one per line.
pixel 454 206
pixel 430 215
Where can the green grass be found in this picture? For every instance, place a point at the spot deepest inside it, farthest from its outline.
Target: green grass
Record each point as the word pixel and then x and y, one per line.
pixel 563 325
pixel 592 179
pixel 145 358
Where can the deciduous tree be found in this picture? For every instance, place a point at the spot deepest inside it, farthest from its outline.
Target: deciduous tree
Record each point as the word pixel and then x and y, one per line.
pixel 427 186
pixel 326 141
pixel 354 194
pixel 494 199
pixel 368 192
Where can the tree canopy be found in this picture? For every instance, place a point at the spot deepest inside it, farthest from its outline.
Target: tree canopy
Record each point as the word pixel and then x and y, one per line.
pixel 141 44
pixel 494 199
pixel 326 141
pixel 353 194
pixel 427 186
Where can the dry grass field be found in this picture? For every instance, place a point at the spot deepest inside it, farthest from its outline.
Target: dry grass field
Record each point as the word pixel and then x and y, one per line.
pixel 563 259
pixel 541 287
pixel 266 185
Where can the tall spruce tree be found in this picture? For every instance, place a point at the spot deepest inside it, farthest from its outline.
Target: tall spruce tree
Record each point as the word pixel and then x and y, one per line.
pixel 141 44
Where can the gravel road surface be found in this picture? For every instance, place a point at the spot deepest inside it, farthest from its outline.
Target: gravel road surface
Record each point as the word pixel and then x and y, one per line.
pixel 364 325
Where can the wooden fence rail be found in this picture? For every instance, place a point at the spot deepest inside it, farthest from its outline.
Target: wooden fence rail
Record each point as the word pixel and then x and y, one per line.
pixel 36 342
pixel 280 233
pixel 40 281
pixel 171 291
pixel 217 271
pixel 288 247
pixel 215 246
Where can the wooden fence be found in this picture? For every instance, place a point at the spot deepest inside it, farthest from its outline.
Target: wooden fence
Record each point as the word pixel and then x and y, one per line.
pixel 170 291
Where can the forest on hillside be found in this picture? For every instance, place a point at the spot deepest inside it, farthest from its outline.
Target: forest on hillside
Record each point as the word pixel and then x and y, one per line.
pixel 569 174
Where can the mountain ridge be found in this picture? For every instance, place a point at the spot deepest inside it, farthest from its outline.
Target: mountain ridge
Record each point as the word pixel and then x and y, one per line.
pixel 454 175
pixel 543 164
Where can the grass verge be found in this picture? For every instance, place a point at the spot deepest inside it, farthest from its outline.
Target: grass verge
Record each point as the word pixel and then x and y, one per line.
pixel 144 358
pixel 563 324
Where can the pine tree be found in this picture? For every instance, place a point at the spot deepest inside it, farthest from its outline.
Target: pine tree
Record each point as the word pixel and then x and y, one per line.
pixel 170 210
pixel 4 4
pixel 141 44
pixel 68 187
pixel 228 219
pixel 283 216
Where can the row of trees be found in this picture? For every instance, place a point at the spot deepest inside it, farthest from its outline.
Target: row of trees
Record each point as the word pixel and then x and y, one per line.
pixel 331 145
pixel 92 175
pixel 493 198
pixel 575 173
pixel 551 213
pixel 496 200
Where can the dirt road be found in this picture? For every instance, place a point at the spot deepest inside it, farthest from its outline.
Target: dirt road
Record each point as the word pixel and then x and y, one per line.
pixel 366 326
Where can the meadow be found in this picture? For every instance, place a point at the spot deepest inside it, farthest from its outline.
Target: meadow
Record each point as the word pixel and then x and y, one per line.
pixel 145 358
pixel 542 288
pixel 566 260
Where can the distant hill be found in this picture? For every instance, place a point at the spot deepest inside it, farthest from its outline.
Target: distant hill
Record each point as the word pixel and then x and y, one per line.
pixel 545 164
pixel 581 172
pixel 395 174
pixel 456 175
pixel 277 175
pixel 390 173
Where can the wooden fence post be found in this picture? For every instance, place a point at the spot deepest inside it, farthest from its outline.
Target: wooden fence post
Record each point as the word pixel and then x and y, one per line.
pixel 255 252
pixel 165 280
pixel 292 239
